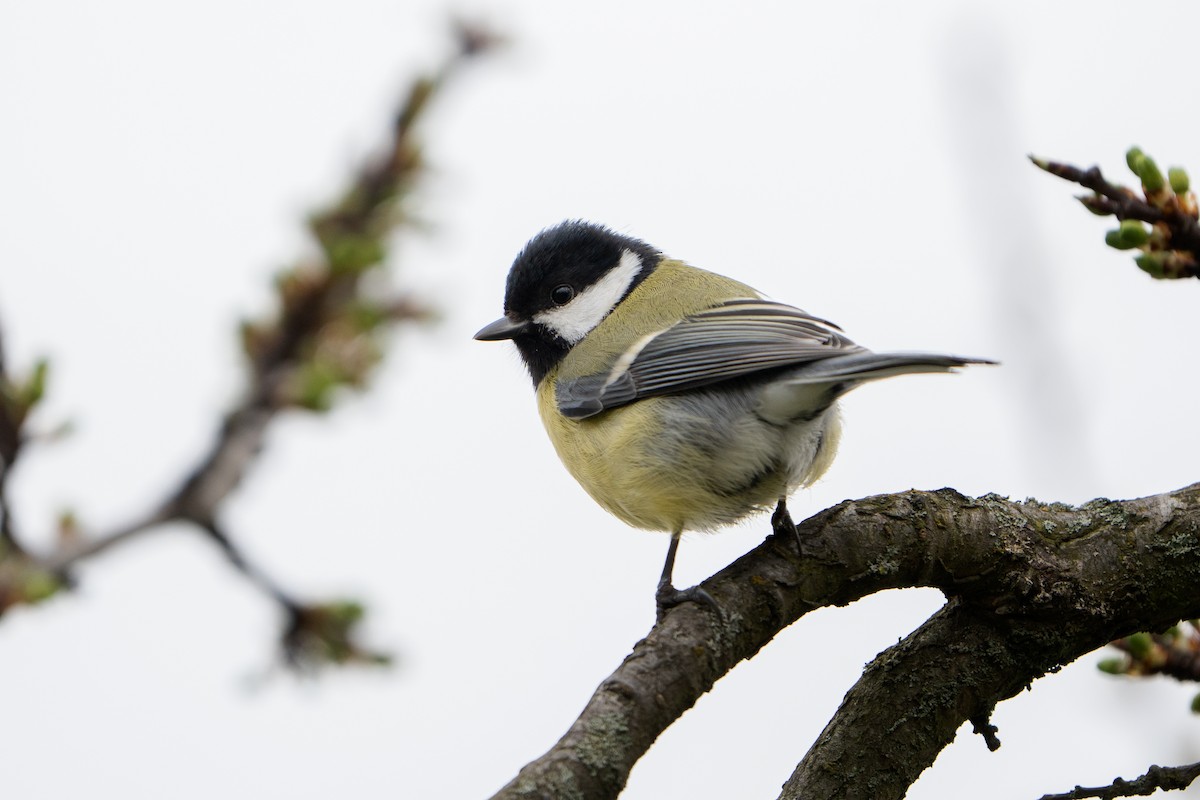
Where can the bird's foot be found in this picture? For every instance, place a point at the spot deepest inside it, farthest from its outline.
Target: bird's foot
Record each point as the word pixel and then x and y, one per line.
pixel 667 597
pixel 781 523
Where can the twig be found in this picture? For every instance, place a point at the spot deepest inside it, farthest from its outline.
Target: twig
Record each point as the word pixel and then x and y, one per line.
pixel 252 572
pixel 1124 203
pixel 1172 248
pixel 11 440
pixel 1090 178
pixel 1165 778
pixel 69 554
pixel 982 725
pixel 9 543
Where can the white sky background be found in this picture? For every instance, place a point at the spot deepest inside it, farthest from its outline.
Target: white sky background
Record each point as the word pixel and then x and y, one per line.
pixel 865 161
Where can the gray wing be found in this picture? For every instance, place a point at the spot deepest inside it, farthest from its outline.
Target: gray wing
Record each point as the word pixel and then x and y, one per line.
pixel 735 339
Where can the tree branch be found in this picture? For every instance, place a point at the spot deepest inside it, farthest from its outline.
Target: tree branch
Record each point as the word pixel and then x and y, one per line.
pixel 1165 778
pixel 1032 586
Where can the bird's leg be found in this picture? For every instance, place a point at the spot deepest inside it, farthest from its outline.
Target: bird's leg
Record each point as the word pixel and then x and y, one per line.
pixel 667 596
pixel 781 523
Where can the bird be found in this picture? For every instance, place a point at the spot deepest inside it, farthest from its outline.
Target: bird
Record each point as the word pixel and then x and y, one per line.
pixel 679 399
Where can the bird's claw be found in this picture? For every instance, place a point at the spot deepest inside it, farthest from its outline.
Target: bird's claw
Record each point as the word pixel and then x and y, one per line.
pixel 667 597
pixel 781 523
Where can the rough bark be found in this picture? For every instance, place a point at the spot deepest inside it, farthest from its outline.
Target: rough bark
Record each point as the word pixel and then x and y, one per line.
pixel 1032 586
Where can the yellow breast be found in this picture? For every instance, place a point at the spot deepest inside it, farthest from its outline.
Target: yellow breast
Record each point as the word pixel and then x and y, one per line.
pixel 609 455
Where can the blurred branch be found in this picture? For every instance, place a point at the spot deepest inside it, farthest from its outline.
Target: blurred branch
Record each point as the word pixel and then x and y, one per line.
pixel 74 549
pixel 1032 586
pixel 1165 778
pixel 1174 653
pixel 10 443
pixel 254 574
pixel 17 399
pixel 325 335
pixel 1171 246
pixel 22 578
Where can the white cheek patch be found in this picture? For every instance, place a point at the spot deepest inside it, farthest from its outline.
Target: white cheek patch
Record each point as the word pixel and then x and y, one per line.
pixel 574 320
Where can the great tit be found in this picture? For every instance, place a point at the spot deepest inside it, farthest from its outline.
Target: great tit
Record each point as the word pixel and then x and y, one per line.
pixel 678 398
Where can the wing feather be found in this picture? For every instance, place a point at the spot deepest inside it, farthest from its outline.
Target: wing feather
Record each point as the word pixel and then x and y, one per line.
pixel 735 339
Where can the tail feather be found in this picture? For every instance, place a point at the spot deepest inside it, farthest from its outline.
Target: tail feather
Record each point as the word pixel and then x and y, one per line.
pixel 808 391
pixel 868 366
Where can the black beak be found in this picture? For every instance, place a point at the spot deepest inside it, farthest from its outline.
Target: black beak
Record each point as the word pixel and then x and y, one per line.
pixel 501 329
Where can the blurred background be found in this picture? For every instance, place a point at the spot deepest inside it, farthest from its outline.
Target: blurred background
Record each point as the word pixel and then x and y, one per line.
pixel 865 161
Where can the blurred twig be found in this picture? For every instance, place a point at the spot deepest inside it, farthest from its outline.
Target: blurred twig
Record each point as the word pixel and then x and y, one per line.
pixel 326 334
pixel 12 417
pixel 22 578
pixel 1174 653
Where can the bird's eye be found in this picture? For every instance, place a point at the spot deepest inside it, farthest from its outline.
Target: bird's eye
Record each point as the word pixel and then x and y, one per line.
pixel 561 295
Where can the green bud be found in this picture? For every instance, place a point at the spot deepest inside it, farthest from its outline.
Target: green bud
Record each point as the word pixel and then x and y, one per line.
pixel 347 612
pixel 1134 233
pixel 1179 180
pixel 317 381
pixel 350 253
pixel 1152 264
pixel 1140 645
pixel 35 387
pixel 1152 178
pixel 38 586
pixel 367 316
pixel 1132 157
pixel 1115 240
pixel 1196 704
pixel 1095 204
pixel 1113 666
